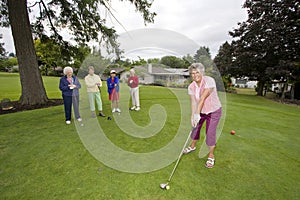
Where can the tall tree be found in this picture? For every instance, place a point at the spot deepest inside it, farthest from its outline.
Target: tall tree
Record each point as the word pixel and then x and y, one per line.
pixel 33 91
pixel 202 52
pixel 203 56
pixel 223 60
pixel 269 37
pixel 81 18
pixel 50 54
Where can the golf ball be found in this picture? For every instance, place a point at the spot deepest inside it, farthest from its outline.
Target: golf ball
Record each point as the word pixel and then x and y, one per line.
pixel 167 187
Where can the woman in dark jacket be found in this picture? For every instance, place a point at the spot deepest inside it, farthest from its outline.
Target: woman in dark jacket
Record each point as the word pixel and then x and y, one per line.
pixel 70 85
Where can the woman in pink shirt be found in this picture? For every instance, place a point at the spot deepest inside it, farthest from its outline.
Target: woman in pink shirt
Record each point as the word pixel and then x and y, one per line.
pixel 205 106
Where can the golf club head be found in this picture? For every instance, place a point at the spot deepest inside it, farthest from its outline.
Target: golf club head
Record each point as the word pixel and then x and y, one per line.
pixel 163 185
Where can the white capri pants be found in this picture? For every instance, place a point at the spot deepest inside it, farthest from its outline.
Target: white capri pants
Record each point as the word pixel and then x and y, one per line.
pixel 134 93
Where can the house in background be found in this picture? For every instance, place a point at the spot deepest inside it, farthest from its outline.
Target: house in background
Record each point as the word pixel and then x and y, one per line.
pixel 243 82
pixel 152 74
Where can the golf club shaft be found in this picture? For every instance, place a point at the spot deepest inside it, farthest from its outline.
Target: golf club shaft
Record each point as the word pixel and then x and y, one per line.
pixel 76 104
pixel 181 152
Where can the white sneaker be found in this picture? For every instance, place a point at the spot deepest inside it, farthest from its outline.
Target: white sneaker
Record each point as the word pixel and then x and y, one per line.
pixel 118 110
pixel 79 119
pixel 114 110
pixel 137 108
pixel 68 122
pixel 132 108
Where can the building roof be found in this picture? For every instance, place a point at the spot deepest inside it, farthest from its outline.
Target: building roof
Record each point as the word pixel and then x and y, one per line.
pixel 157 70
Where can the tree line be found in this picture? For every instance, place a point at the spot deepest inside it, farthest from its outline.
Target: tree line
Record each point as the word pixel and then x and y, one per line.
pixel 264 47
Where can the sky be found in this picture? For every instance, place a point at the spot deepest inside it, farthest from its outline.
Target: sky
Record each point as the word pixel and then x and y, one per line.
pixel 179 27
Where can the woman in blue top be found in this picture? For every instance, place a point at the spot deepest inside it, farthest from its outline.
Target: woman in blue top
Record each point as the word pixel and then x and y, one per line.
pixel 113 89
pixel 70 85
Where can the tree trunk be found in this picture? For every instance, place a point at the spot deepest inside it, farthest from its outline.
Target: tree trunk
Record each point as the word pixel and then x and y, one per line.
pixel 33 90
pixel 260 88
pixel 293 92
pixel 284 90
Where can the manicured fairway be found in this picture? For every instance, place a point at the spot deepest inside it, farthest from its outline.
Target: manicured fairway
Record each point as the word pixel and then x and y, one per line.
pixel 43 158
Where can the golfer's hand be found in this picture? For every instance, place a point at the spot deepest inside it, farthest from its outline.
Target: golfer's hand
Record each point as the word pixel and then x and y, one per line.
pixel 196 119
pixel 130 81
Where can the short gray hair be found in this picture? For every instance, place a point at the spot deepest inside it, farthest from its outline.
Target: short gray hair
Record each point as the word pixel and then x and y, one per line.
pixel 197 66
pixel 91 67
pixel 132 72
pixel 66 69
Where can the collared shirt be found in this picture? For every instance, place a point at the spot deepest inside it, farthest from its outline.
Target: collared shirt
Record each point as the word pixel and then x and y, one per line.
pixel 134 81
pixel 212 102
pixel 91 81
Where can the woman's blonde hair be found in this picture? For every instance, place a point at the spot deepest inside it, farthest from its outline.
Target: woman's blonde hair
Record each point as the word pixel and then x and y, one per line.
pixel 197 66
pixel 66 69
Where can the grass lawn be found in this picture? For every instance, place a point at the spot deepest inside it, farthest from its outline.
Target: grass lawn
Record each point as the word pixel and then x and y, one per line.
pixel 249 91
pixel 42 158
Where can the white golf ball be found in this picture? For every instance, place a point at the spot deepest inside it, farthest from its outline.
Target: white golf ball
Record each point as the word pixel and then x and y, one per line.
pixel 167 187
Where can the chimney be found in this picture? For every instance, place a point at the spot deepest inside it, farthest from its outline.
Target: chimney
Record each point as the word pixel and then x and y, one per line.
pixel 150 68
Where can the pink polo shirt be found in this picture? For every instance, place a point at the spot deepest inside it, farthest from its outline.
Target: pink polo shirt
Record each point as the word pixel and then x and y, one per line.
pixel 212 102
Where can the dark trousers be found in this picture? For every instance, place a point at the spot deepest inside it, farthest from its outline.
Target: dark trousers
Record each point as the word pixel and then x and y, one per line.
pixel 68 101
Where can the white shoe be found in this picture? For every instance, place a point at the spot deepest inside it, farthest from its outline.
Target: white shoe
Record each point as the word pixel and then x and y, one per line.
pixel 137 108
pixel 79 119
pixel 133 108
pixel 114 110
pixel 68 122
pixel 118 110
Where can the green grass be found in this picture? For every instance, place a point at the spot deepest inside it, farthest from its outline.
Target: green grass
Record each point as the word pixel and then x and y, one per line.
pixel 42 158
pixel 10 86
pixel 249 91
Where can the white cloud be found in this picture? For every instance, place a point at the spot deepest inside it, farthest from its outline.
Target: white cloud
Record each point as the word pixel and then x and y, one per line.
pixel 206 22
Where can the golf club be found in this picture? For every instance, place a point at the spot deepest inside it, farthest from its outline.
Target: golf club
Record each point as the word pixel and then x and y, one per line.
pixel 166 185
pixel 76 106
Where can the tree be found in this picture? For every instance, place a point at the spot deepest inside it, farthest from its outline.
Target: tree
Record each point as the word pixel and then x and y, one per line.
pixel 153 60
pixel 2 49
pixel 223 60
pixel 8 63
pixel 81 18
pixel 173 62
pixel 201 53
pixel 203 56
pixel 141 61
pixel 269 37
pixel 33 91
pixel 99 63
pixel 51 54
pixel 188 60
